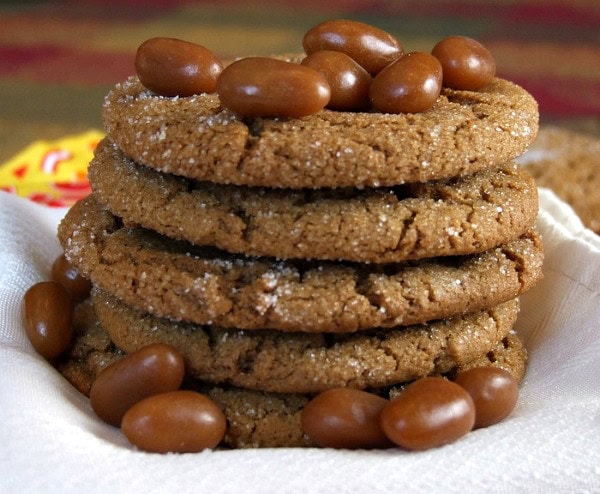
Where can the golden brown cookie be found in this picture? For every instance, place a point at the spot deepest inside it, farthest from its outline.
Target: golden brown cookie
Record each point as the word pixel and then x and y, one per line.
pixel 450 217
pixel 271 360
pixel 569 164
pixel 254 418
pixel 464 132
pixel 182 282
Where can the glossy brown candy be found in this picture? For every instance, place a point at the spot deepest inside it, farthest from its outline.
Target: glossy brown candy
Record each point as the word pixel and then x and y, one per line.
pixel 48 318
pixel 267 87
pixel 348 81
pixel 177 422
pixel 173 67
pixel 67 275
pixel 429 412
pixel 371 47
pixel 345 418
pixel 466 63
pixel 151 370
pixel 411 84
pixel 494 392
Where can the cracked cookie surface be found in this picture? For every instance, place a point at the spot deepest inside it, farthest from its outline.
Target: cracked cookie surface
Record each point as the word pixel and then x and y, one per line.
pixel 195 137
pixel 270 360
pixel 182 282
pixel 451 217
pixel 254 418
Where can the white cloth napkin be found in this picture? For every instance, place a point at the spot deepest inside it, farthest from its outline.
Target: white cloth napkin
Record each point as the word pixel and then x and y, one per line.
pixel 50 441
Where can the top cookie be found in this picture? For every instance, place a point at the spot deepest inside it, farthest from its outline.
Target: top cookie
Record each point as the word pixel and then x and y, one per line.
pixel 195 137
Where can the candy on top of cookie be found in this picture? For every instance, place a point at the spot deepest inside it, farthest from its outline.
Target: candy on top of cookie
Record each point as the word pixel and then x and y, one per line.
pixel 351 66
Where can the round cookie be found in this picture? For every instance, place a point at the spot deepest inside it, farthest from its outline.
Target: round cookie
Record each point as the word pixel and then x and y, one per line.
pixel 568 163
pixel 254 418
pixel 451 217
pixel 195 137
pixel 272 360
pixel 182 282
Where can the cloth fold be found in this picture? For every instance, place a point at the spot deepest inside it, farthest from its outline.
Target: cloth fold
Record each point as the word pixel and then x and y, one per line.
pixel 51 440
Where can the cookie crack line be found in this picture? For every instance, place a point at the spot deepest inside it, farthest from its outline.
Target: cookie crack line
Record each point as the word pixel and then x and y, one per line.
pixel 377 226
pixel 257 293
pixel 272 361
pixel 279 157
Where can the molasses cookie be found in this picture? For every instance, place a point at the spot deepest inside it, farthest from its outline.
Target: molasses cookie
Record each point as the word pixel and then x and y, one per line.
pixel 182 282
pixel 450 217
pixel 568 163
pixel 196 137
pixel 254 418
pixel 271 360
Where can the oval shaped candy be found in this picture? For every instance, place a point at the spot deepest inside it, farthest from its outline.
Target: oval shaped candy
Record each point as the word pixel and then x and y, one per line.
pixel 177 422
pixel 267 87
pixel 48 318
pixel 348 81
pixel 466 63
pixel 372 48
pixel 493 390
pixel 429 412
pixel 68 276
pixel 411 84
pixel 173 67
pixel 345 418
pixel 153 369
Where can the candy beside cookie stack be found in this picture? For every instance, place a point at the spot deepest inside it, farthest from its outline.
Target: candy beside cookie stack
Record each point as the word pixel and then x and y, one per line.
pixel 285 247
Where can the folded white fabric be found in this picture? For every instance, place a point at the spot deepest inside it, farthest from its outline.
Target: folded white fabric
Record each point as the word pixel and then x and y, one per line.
pixel 52 442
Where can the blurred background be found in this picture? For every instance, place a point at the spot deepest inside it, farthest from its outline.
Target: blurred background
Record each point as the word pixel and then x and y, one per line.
pixel 59 58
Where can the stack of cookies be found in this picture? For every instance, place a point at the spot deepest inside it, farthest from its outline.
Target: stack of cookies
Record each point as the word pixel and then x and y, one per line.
pixel 286 256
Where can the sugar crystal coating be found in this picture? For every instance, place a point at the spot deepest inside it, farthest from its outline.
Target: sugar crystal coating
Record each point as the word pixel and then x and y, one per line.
pixel 233 291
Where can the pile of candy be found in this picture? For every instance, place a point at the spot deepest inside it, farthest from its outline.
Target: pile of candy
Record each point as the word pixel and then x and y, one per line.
pixel 350 66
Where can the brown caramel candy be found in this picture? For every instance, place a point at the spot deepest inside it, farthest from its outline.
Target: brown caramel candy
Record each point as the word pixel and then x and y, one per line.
pixel 177 422
pixel 173 67
pixel 371 47
pixel 266 87
pixel 67 275
pixel 48 318
pixel 345 418
pixel 151 370
pixel 494 392
pixel 348 81
pixel 429 412
pixel 466 63
pixel 411 84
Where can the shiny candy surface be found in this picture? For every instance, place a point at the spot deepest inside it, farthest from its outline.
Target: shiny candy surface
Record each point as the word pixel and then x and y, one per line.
pixel 266 87
pixel 345 418
pixel 67 275
pixel 430 412
pixel 151 370
pixel 173 67
pixel 178 422
pixel 369 46
pixel 348 81
pixel 494 392
pixel 48 318
pixel 466 63
pixel 411 84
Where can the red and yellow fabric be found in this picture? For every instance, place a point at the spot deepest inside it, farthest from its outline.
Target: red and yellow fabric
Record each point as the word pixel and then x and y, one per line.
pixel 51 172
